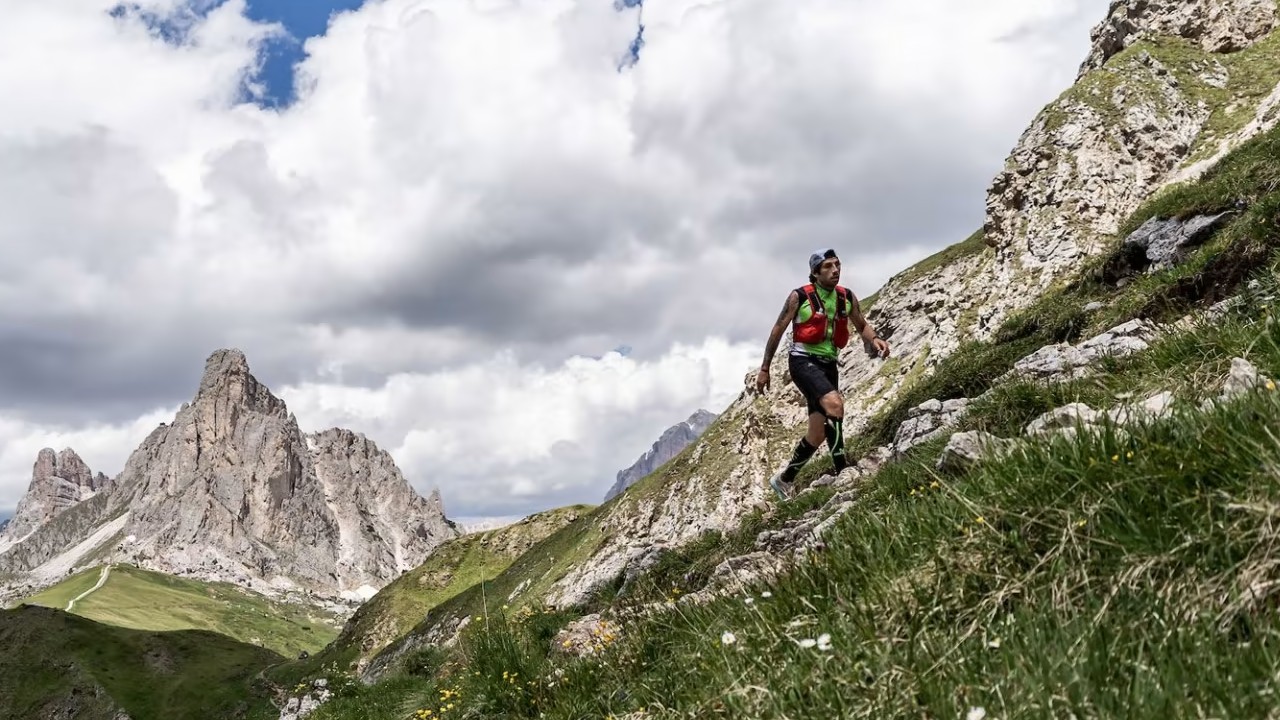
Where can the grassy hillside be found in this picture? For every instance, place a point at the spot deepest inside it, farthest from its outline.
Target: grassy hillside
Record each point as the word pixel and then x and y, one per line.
pixel 450 569
pixel 1112 574
pixel 145 600
pixel 57 665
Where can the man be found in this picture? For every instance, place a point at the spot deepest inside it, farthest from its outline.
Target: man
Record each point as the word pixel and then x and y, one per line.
pixel 820 314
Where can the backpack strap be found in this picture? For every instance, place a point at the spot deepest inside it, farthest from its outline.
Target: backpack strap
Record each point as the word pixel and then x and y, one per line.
pixel 842 302
pixel 815 304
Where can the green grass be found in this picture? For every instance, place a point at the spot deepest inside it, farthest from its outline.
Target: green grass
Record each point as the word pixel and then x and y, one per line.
pixel 451 569
pixel 1252 74
pixel 145 600
pixel 946 257
pixel 59 595
pixel 59 665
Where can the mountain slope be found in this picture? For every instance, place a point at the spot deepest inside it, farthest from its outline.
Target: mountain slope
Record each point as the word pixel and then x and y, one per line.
pixel 452 568
pixel 56 665
pixel 130 597
pixel 668 445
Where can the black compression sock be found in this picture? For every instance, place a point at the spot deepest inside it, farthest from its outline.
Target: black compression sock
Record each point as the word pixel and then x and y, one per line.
pixel 835 441
pixel 799 457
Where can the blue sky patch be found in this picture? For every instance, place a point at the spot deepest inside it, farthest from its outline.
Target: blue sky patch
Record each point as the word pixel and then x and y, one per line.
pixel 301 19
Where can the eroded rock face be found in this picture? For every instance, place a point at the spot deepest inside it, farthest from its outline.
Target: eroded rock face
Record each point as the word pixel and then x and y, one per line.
pixel 965 449
pixel 1068 362
pixel 58 481
pixel 1217 26
pixel 927 421
pixel 1160 243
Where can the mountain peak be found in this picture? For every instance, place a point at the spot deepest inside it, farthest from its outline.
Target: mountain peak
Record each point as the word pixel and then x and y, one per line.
pixel 59 480
pixel 227 377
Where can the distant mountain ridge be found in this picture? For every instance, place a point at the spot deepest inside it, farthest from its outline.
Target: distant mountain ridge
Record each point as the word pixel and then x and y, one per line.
pixel 672 441
pixel 233 491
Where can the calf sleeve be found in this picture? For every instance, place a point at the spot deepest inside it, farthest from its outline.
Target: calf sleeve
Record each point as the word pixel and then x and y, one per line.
pixel 799 457
pixel 835 440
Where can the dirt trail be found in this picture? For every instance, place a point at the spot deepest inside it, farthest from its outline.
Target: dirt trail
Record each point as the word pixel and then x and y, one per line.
pixel 102 579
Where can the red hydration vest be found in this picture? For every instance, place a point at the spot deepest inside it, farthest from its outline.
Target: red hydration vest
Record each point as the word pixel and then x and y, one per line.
pixel 814 330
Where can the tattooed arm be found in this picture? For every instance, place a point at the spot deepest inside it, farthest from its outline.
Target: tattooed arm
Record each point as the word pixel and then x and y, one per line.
pixel 775 336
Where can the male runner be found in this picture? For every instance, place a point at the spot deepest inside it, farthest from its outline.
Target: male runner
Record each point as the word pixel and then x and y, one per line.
pixel 820 314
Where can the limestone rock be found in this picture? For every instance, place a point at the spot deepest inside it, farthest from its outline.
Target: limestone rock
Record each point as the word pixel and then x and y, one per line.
pixel 1068 416
pixel 965 449
pixel 296 708
pixel 927 421
pixel 58 481
pixel 1159 244
pixel 1153 408
pixel 1242 378
pixel 738 573
pixel 1065 361
pixel 587 635
pixel 384 527
pixel 1216 25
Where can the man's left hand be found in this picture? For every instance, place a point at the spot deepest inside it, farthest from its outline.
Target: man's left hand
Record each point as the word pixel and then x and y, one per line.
pixel 882 347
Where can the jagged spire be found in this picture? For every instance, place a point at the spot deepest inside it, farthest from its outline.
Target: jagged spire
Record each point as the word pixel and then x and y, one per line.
pixel 227 378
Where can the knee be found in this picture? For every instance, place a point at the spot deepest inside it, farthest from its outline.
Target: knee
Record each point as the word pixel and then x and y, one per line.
pixel 833 405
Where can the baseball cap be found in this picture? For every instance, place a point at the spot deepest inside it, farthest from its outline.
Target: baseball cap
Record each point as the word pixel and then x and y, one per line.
pixel 816 259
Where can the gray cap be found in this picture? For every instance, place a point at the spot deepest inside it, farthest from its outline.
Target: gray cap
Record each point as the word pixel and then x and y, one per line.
pixel 816 259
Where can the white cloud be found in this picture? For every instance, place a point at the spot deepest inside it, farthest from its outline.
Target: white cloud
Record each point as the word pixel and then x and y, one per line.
pixel 498 436
pixel 467 194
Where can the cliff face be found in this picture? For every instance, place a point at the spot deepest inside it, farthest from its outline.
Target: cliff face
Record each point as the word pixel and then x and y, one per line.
pixel 58 481
pixel 233 490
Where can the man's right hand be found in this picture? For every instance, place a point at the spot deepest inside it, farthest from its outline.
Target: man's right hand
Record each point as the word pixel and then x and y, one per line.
pixel 762 380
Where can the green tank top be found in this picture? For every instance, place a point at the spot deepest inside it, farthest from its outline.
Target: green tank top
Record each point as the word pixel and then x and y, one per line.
pixel 826 348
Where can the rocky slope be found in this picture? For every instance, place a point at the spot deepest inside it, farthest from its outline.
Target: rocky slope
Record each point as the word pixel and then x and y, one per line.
pixel 58 481
pixel 1163 94
pixel 232 490
pixel 673 440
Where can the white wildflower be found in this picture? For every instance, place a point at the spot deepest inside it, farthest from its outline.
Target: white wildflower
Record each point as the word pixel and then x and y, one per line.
pixel 824 642
pixel 766 594
pixel 994 643
pixel 976 713
pixel 728 638
pixel 808 643
pixel 749 600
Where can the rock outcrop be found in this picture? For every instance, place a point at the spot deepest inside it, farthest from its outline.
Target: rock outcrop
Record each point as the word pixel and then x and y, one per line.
pixel 58 481
pixel 672 442
pixel 1217 26
pixel 232 490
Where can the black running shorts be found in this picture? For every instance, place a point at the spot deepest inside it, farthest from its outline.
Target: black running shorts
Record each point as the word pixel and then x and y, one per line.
pixel 815 377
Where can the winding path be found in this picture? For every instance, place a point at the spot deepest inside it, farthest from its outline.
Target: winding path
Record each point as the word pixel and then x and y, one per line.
pixel 102 579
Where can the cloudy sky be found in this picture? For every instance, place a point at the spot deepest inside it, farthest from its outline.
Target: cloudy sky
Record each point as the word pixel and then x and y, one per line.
pixel 509 240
